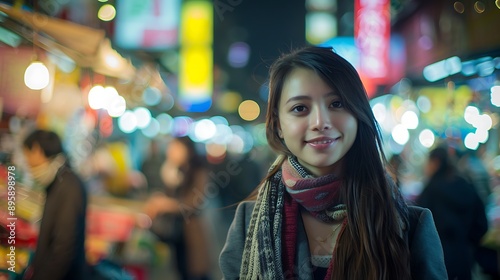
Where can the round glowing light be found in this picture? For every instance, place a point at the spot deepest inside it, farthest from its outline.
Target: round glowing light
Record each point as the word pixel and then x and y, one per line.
pixel 152 129
pixel 471 114
pixel 409 120
pixel 117 106
pixel 471 142
pixel 151 96
pixel 249 110
pixel 320 26
pixel 495 95
pixel 95 97
pixel 240 133
pixel 108 96
pixel 400 134
pixel 223 134
pixel 459 7
pixel 143 117
pixel 181 126
pixel 479 7
pixel 219 120
pixel 36 76
pixel 166 123
pixel 106 12
pixel 238 54
pixel 482 135
pixel 426 138
pixel 228 101
pixel 424 104
pixel 236 145
pixel 127 122
pixel 204 130
pixel 484 122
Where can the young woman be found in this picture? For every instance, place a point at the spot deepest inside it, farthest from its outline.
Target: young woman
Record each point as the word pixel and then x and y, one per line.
pixel 327 209
pixel 176 210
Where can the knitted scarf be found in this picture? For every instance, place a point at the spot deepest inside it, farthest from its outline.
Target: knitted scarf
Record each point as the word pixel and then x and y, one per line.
pixel 275 214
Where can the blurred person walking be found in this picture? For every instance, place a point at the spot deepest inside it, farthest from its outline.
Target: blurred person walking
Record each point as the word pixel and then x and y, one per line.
pixel 176 209
pixel 458 212
pixel 474 169
pixel 60 251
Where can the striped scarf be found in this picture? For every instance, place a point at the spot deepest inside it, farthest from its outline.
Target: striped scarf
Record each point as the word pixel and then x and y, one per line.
pixel 262 253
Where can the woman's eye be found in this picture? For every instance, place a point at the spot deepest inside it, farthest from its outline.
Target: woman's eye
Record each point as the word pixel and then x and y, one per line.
pixel 337 104
pixel 299 108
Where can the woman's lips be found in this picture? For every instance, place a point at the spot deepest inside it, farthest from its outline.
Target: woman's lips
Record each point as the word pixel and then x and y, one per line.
pixel 321 143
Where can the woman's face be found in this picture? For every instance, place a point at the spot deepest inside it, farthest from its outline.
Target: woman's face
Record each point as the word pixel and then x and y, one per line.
pixel 177 153
pixel 314 124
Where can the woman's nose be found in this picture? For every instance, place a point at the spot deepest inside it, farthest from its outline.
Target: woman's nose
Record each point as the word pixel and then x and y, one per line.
pixel 320 120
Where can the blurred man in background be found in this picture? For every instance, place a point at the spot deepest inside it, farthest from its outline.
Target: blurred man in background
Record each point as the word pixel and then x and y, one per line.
pixel 60 251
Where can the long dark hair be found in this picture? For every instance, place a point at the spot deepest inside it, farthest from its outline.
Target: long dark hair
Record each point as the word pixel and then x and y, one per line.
pixel 372 246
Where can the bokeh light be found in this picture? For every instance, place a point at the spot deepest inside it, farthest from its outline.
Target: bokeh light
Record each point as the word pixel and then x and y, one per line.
pixel 143 116
pixel 400 134
pixel 127 122
pixel 166 123
pixel 106 12
pixel 426 138
pixel 249 110
pixel 152 129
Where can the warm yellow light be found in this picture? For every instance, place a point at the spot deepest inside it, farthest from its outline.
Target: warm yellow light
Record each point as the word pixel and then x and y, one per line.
pixel 197 66
pixel 106 12
pixel 249 110
pixel 197 23
pixel 196 56
pixel 36 76
pixel 229 101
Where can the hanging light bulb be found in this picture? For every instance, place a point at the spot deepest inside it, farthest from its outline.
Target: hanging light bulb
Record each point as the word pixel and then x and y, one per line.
pixel 36 76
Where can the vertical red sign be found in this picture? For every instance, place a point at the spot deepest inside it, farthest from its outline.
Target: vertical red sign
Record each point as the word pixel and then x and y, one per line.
pixel 372 31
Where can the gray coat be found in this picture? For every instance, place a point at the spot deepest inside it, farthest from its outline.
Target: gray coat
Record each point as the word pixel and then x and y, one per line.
pixel 427 260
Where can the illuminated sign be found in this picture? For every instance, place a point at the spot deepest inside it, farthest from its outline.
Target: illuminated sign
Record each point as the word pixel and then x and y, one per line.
pixel 196 56
pixel 372 34
pixel 149 25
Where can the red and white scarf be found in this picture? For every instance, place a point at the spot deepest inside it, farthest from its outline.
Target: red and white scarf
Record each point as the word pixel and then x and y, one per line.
pixel 276 214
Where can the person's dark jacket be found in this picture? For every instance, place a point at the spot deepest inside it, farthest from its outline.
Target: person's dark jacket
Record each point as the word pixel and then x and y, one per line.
pixel 60 251
pixel 426 253
pixel 460 220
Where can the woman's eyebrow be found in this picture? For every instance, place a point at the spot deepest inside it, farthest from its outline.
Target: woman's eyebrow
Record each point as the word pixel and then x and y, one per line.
pixel 298 98
pixel 307 97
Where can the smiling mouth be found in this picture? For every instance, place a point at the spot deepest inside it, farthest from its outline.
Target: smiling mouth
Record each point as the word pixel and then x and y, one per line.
pixel 321 142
